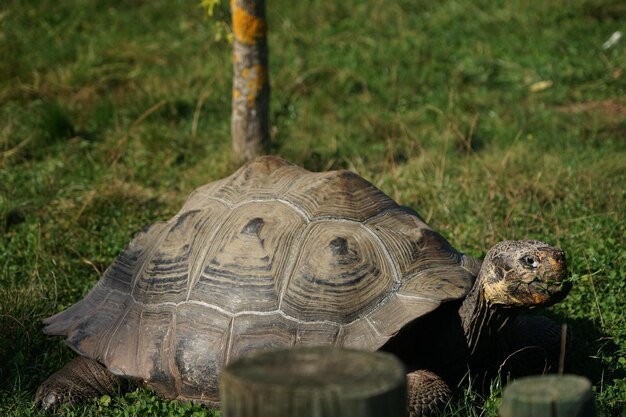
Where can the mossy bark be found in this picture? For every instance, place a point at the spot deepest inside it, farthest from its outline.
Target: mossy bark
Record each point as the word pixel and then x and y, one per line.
pixel 251 91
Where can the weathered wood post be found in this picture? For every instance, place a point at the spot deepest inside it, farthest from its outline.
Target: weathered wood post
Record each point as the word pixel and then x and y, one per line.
pixel 548 396
pixel 314 382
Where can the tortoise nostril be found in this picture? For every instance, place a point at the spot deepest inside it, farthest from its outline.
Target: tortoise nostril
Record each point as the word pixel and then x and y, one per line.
pixel 559 256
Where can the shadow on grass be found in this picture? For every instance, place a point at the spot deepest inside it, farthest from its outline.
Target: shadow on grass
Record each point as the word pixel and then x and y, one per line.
pixel 590 345
pixel 591 351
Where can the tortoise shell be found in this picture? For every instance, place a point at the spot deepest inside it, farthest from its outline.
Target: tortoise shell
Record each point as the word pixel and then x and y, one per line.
pixel 272 256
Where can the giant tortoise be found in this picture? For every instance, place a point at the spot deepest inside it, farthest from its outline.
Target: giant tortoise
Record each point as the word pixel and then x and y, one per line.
pixel 277 256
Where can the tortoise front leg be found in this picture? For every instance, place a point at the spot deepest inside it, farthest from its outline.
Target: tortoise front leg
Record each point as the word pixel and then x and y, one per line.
pixel 426 392
pixel 80 380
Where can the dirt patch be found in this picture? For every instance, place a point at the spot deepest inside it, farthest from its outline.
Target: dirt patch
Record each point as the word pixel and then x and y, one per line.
pixel 609 109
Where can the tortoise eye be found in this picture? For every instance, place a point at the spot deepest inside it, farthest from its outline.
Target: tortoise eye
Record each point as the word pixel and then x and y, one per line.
pixel 530 261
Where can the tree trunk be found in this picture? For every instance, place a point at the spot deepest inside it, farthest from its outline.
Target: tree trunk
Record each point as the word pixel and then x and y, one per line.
pixel 314 382
pixel 251 90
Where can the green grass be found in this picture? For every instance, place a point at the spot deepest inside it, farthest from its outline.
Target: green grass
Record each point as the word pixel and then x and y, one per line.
pixel 111 112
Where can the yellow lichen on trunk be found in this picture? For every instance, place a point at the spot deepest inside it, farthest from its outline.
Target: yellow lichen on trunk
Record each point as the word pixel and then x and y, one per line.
pixel 256 79
pixel 248 29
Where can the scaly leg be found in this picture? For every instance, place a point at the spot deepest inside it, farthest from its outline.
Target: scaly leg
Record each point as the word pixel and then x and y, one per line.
pixel 80 380
pixel 426 392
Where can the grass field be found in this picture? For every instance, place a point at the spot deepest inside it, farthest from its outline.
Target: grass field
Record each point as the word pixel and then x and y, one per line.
pixel 495 120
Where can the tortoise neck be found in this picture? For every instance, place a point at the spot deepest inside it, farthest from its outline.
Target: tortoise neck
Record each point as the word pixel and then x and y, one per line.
pixel 482 322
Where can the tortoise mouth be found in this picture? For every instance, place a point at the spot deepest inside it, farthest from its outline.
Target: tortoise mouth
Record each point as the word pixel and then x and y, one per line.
pixel 544 292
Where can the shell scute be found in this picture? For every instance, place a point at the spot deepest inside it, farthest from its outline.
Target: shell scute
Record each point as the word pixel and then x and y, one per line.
pixel 93 332
pixel 337 194
pixel 255 332
pixel 154 341
pixel 396 311
pixel 123 348
pixel 339 273
pixel 169 261
pixel 201 344
pixel 245 262
pixel 428 264
pixel 359 334
pixel 264 178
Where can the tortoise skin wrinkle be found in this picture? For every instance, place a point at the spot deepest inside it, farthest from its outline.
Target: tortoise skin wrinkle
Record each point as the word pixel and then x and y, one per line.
pixel 276 256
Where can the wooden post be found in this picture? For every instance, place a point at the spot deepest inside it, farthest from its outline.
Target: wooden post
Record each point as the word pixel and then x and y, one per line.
pixel 314 382
pixel 548 396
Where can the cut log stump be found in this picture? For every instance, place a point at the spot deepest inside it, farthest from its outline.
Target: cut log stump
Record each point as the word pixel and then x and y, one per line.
pixel 314 382
pixel 548 396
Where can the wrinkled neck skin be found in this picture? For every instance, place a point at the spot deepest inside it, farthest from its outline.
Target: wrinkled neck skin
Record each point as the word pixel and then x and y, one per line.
pixel 482 323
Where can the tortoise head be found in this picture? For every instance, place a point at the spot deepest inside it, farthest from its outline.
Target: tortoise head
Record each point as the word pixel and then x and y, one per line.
pixel 525 273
